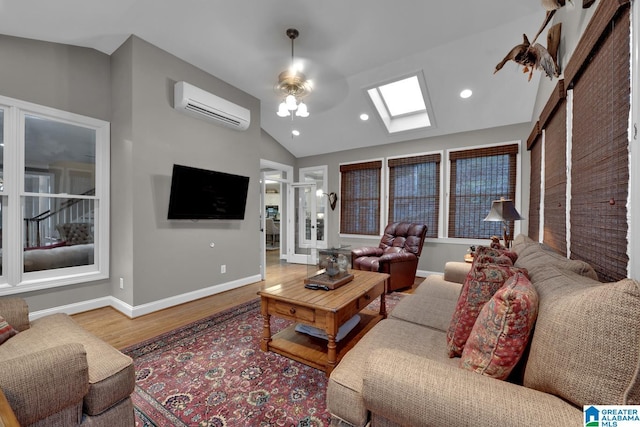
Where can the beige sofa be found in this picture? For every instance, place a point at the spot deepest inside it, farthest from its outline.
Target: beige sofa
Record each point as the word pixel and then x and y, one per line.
pixel 585 350
pixel 55 373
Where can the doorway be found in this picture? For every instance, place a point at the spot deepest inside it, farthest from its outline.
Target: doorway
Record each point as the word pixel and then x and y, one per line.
pixel 274 180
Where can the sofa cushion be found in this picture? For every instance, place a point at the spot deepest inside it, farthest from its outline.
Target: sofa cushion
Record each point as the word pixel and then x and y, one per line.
pixel 586 347
pixel 6 330
pixel 482 282
pixel 344 389
pixel 501 332
pixel 538 256
pixel 431 305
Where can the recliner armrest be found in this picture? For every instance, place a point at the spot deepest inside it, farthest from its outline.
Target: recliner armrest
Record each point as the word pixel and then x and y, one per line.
pixel 394 257
pixel 366 251
pixel 45 382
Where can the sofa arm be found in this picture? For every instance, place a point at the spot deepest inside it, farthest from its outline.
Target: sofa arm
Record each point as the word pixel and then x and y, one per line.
pixel 417 391
pixel 365 251
pixel 455 271
pixel 45 382
pixel 16 312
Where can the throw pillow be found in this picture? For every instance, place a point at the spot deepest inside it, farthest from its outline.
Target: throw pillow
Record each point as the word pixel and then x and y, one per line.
pixel 76 233
pixel 481 283
pixel 486 259
pixel 484 250
pixel 6 330
pixel 501 332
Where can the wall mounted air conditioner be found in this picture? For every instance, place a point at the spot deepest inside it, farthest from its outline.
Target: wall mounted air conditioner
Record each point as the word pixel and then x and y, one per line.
pixel 204 105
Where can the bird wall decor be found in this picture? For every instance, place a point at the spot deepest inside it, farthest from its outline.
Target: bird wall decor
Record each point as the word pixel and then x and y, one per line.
pixel 532 55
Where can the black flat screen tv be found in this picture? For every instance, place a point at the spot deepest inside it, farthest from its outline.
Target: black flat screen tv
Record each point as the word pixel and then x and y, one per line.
pixel 206 194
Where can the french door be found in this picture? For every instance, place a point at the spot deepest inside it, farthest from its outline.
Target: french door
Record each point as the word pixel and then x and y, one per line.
pixel 303 235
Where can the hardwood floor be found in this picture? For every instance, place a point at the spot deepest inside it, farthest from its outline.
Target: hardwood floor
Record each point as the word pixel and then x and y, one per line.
pixel 120 331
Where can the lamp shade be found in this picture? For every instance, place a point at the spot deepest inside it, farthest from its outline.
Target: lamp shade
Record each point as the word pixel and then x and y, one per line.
pixel 503 210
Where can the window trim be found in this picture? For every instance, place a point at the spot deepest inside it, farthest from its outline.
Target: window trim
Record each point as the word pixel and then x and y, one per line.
pixel 14 279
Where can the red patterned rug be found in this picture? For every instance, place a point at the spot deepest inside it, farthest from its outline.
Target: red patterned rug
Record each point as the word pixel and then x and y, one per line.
pixel 212 373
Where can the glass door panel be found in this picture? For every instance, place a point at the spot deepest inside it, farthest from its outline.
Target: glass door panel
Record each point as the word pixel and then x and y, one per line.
pixel 304 248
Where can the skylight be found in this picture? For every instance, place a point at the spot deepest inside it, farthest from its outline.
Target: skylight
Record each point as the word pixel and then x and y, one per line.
pixel 403 96
pixel 402 104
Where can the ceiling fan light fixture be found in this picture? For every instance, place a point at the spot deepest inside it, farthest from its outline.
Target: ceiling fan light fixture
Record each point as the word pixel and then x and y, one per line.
pixel 283 111
pixel 302 110
pixel 291 102
pixel 293 85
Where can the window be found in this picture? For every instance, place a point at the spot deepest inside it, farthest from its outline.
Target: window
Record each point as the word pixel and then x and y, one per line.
pixel 55 197
pixel 360 191
pixel 414 191
pixel 477 177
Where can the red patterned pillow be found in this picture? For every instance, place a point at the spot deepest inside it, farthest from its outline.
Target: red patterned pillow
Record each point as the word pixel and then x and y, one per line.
pixel 6 330
pixel 484 250
pixel 481 283
pixel 501 332
pixel 487 259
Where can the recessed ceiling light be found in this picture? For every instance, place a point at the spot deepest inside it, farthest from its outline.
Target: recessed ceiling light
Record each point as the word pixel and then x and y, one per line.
pixel 364 117
pixel 466 93
pixel 295 132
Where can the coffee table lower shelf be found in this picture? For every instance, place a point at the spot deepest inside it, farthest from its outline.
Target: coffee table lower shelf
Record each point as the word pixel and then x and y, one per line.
pixel 312 351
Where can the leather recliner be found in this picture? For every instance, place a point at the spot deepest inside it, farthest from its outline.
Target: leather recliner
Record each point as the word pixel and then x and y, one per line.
pixel 397 254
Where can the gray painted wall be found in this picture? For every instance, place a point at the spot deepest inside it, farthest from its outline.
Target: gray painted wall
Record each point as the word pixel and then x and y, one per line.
pixel 174 257
pixel 133 89
pixel 68 78
pixel 434 254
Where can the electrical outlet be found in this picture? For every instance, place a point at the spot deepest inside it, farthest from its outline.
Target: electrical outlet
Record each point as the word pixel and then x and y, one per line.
pixel 223 268
pixel 121 283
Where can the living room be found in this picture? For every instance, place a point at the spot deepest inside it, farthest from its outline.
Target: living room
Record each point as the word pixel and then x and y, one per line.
pixel 155 263
pixel 152 254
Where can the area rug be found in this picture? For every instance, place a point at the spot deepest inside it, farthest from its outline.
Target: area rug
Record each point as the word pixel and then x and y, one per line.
pixel 212 373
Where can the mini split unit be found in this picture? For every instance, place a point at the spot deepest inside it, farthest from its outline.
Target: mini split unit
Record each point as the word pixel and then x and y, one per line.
pixel 204 105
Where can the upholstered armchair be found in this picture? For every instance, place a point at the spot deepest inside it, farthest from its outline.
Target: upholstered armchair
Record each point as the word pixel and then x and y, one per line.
pixel 397 254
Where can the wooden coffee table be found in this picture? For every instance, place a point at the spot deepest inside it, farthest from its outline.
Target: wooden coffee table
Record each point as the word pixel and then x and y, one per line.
pixel 326 310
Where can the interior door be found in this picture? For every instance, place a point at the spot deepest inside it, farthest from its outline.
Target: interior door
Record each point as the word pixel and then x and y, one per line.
pixel 302 231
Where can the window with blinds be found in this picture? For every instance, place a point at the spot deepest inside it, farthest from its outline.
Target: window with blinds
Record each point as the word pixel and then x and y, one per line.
pixel 534 192
pixel 360 191
pixel 479 176
pixel 414 190
pixel 555 177
pixel 600 154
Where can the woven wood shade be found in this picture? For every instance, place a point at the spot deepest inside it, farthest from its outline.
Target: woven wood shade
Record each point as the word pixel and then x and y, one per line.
pixel 555 178
pixel 600 170
pixel 478 177
pixel 534 192
pixel 360 198
pixel 414 191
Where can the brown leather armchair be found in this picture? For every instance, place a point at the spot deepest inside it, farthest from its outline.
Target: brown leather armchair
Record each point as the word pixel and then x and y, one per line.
pixel 397 254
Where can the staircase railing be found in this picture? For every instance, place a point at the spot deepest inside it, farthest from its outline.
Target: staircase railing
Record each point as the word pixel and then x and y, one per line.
pixel 44 224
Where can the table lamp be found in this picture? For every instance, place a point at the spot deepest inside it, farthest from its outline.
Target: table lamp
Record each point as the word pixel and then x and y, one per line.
pixel 503 210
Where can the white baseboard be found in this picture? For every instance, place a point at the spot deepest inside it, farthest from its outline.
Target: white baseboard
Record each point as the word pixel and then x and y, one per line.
pixel 140 310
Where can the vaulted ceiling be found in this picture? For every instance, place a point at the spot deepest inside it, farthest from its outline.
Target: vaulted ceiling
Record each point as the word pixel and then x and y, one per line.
pixel 346 47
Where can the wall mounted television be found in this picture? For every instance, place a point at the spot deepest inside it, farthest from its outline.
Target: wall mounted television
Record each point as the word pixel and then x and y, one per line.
pixel 206 194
